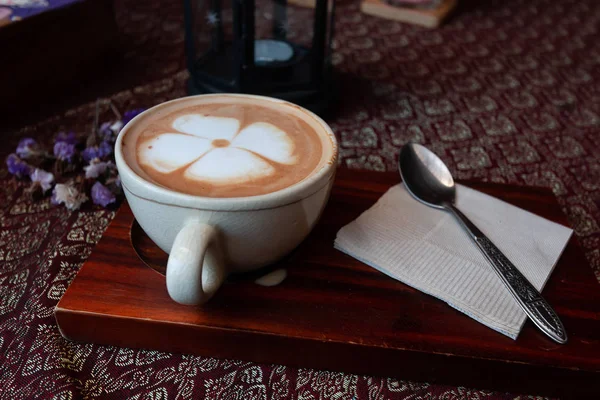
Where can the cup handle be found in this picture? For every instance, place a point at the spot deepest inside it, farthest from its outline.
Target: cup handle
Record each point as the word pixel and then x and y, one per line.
pixel 195 269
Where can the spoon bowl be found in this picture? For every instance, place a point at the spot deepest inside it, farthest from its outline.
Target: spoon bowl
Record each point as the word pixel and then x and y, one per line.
pixel 426 176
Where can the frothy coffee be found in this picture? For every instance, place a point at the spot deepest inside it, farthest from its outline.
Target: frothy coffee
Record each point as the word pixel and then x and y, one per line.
pixel 231 148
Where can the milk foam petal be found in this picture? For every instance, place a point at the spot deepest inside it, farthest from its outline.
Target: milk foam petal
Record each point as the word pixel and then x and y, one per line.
pixel 227 166
pixel 207 127
pixel 267 140
pixel 170 151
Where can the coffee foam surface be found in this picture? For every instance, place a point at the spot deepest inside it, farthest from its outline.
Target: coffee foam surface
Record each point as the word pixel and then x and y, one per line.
pixel 226 150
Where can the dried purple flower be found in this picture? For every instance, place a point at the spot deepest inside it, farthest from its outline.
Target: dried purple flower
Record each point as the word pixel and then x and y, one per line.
pixel 68 195
pixel 18 167
pixel 105 130
pixel 101 195
pixel 117 126
pixel 97 152
pixel 96 168
pixel 27 147
pixel 131 114
pixel 106 149
pixel 45 179
pixel 109 130
pixel 64 151
pixel 91 153
pixel 69 138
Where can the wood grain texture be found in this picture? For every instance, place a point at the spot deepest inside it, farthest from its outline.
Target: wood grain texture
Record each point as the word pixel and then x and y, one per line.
pixel 333 312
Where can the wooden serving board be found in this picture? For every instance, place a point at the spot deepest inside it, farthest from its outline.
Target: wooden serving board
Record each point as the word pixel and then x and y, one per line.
pixel 333 312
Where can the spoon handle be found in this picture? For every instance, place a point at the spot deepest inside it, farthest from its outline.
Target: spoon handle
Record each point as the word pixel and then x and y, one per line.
pixel 530 300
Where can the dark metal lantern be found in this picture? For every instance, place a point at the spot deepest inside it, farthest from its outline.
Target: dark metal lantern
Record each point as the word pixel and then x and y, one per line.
pixel 270 48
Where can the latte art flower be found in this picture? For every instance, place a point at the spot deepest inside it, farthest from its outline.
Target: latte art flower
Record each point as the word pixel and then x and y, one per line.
pixel 215 150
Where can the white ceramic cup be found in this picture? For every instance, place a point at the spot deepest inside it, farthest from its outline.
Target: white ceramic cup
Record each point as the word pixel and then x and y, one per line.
pixel 209 238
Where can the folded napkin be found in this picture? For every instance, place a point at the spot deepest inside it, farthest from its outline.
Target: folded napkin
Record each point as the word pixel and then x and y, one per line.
pixel 428 250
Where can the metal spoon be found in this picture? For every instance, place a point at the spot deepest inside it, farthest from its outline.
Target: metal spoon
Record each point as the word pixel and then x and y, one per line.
pixel 428 180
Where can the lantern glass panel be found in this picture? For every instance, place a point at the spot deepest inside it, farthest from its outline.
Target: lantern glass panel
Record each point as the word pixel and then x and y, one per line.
pixel 283 31
pixel 212 29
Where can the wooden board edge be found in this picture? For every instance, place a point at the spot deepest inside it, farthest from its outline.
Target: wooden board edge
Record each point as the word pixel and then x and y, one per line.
pixel 426 18
pixel 376 361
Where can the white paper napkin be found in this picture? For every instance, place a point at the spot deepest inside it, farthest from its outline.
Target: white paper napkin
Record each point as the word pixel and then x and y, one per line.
pixel 428 250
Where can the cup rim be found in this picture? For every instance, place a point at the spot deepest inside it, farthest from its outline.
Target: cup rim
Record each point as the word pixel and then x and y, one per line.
pixel 143 188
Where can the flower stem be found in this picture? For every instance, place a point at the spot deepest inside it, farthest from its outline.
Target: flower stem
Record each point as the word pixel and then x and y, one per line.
pixel 92 140
pixel 115 110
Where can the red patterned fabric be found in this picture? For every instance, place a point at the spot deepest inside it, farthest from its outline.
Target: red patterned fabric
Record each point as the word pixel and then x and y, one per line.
pixel 506 91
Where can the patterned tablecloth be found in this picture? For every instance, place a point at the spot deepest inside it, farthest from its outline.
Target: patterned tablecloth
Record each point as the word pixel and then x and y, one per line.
pixel 507 91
